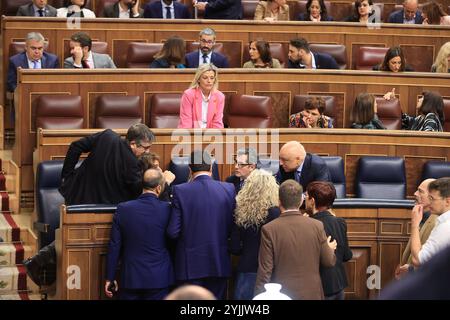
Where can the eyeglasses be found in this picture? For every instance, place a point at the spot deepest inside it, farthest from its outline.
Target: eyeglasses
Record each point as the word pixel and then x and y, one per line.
pixel 207 41
pixel 146 148
pixel 37 48
pixel 241 165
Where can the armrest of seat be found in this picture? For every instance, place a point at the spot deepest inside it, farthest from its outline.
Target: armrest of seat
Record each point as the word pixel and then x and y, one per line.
pixel 372 203
pixel 91 208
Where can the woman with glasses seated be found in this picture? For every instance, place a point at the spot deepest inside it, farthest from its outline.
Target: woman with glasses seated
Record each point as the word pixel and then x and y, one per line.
pixel 311 116
pixel 171 55
pixel 260 56
pixel 272 10
pixel 74 8
pixel 202 104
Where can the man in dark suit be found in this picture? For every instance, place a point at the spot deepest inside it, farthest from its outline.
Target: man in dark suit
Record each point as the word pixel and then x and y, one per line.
pixel 319 198
pixel 408 15
pixel 301 57
pixel 292 249
pixel 246 161
pixel 123 9
pixel 37 8
pixel 34 57
pixel 220 9
pixel 166 9
pixel 138 237
pixel 300 166
pixel 205 54
pixel 202 214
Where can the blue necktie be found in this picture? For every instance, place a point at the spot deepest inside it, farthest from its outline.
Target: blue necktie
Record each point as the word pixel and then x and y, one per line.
pixel 41 12
pixel 168 13
pixel 35 65
pixel 205 58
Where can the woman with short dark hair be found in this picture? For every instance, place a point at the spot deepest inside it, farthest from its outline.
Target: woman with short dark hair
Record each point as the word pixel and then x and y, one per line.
pixel 74 8
pixel 363 12
pixel 316 11
pixel 311 116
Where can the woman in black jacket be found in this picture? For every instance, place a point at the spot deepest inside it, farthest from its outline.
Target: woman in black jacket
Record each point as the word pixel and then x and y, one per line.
pixel 320 196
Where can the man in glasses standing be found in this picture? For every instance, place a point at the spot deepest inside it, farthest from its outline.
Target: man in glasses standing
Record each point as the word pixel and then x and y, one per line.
pixel 205 54
pixel 246 161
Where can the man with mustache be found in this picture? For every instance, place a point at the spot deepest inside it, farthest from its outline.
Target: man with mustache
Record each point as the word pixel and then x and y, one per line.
pixel 205 54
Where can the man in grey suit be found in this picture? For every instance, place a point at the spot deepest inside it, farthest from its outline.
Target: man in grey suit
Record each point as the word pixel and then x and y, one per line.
pixel 123 9
pixel 82 56
pixel 37 8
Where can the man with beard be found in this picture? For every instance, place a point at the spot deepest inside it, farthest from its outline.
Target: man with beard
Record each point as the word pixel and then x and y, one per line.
pixel 301 57
pixel 205 54
pixel 123 9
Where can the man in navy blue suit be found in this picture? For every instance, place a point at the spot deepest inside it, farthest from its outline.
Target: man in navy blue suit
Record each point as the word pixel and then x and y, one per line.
pixel 33 57
pixel 220 9
pixel 408 15
pixel 300 166
pixel 301 57
pixel 202 214
pixel 166 9
pixel 138 238
pixel 205 54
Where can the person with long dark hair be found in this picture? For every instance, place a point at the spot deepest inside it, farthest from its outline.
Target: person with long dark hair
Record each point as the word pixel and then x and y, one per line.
pixel 75 8
pixel 171 55
pixel 316 11
pixel 430 109
pixel 434 13
pixel 363 11
pixel 260 56
pixel 394 61
pixel 364 113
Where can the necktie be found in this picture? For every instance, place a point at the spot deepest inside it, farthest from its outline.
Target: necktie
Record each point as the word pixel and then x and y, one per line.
pixel 35 65
pixel 168 13
pixel 41 12
pixel 205 58
pixel 85 64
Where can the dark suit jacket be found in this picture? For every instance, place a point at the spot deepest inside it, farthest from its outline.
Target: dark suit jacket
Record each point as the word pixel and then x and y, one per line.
pixel 112 11
pixel 154 10
pixel 397 17
pixel 138 238
pixel 236 181
pixel 245 243
pixel 292 249
pixel 219 60
pixel 224 9
pixel 27 10
pixel 334 279
pixel 202 214
pixel 429 282
pixel 323 61
pixel 110 174
pixel 314 169
pixel 304 17
pixel 48 61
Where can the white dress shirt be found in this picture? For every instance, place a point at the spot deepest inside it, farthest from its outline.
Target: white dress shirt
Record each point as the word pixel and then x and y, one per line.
pixel 164 10
pixel 439 238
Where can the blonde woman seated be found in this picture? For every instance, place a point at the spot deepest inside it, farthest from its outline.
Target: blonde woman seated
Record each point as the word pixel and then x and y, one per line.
pixel 202 104
pixel 260 56
pixel 433 13
pixel 364 113
pixel 256 205
pixel 311 116
pixel 272 10
pixel 441 62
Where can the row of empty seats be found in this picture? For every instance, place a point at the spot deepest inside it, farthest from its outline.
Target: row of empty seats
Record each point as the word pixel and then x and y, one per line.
pixel 241 111
pixel 377 178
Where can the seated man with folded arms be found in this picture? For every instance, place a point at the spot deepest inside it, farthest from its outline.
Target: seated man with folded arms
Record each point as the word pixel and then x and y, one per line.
pixel 166 9
pixel 301 57
pixel 34 57
pixel 123 9
pixel 408 15
pixel 83 58
pixel 37 8
pixel 439 196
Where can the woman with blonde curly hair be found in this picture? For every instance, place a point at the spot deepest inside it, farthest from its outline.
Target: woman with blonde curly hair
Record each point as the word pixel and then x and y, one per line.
pixel 441 62
pixel 256 205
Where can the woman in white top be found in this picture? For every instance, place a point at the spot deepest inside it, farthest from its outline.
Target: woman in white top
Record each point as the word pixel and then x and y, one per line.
pixel 74 8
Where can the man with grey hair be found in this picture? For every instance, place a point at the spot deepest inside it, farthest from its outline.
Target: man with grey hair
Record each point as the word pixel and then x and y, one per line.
pixel 246 161
pixel 408 15
pixel 37 8
pixel 34 57
pixel 205 53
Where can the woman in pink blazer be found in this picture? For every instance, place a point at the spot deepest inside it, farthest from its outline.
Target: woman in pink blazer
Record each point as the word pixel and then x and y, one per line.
pixel 202 104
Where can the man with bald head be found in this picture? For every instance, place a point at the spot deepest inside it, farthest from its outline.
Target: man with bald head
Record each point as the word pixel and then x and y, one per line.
pixel 426 225
pixel 138 238
pixel 190 292
pixel 300 166
pixel 408 15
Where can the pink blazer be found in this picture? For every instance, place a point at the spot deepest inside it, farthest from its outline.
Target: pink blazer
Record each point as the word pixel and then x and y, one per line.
pixel 191 109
